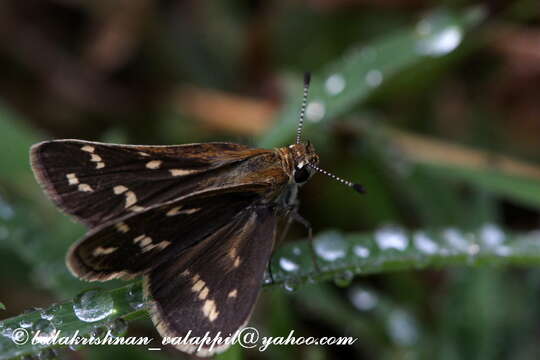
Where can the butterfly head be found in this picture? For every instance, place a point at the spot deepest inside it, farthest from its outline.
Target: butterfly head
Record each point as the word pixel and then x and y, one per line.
pixel 305 160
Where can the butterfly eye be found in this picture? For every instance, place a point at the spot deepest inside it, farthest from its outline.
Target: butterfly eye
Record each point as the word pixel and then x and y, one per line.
pixel 301 175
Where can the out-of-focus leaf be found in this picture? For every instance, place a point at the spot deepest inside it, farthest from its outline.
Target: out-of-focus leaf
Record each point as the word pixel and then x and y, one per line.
pixel 351 79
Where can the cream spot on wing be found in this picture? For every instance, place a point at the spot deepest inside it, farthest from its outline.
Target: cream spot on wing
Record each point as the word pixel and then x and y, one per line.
pixel 177 211
pixel 203 294
pixel 195 278
pixel 143 153
pixel 233 293
pixel 160 245
pixel 85 188
pixel 232 253
pixel 182 172
pixel 136 208
pixel 88 148
pixel 154 164
pixel 120 189
pixel 72 179
pixel 131 199
pixel 122 227
pixel 100 165
pixel 174 211
pixel 142 240
pixel 237 262
pixel 185 273
pixel 198 286
pixel 209 310
pixel 95 157
pixel 104 250
pixel 189 211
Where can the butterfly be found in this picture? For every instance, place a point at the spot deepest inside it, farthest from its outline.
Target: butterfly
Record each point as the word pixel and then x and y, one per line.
pixel 197 221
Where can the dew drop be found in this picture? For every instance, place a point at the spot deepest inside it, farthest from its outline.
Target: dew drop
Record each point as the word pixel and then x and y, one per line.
pixel 402 328
pixel 6 211
pixel 46 330
pixel 335 84
pixel 330 246
pixel 455 239
pixel 315 111
pixel 118 327
pixel 75 347
pixel 492 235
pixel 93 305
pixel 290 285
pixel 374 78
pixel 48 314
pixel 361 251
pixel 288 265
pixel 6 332
pixel 363 300
pixel 438 43
pixel 98 331
pixel 25 323
pixel 344 278
pixel 391 237
pixel 424 244
pixel 135 297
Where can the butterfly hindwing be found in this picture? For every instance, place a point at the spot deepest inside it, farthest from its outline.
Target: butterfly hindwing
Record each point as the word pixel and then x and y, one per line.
pixel 212 288
pixel 134 244
pixel 98 182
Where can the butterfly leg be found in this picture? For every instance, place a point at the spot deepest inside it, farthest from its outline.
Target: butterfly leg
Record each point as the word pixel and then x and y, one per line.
pixel 294 215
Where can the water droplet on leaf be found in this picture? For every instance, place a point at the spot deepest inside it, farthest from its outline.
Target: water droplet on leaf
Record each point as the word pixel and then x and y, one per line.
pixel 363 300
pixel 315 111
pixel 424 244
pixel 93 305
pixel 374 78
pixel 391 237
pixel 135 297
pixel 361 251
pixel 288 265
pixel 330 246
pixel 335 84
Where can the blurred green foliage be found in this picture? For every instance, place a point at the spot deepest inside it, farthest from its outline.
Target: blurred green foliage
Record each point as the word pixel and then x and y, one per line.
pixel 436 261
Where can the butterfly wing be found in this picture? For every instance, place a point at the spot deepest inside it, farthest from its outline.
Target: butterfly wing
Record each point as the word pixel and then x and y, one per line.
pixel 138 242
pixel 97 182
pixel 212 288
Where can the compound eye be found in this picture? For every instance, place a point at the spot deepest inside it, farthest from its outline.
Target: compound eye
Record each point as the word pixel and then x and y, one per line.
pixel 301 175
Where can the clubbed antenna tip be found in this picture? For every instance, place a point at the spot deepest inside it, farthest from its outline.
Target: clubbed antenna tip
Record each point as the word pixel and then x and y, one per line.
pixel 359 188
pixel 307 78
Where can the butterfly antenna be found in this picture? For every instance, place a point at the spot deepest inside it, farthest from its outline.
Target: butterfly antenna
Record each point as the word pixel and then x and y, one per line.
pixel 359 188
pixel 307 80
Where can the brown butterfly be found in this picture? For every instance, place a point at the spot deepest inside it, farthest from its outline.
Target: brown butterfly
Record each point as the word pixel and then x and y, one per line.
pixel 197 221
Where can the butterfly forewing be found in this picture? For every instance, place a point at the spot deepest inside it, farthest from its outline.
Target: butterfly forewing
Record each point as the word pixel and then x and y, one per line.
pixel 138 242
pixel 213 287
pixel 97 182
